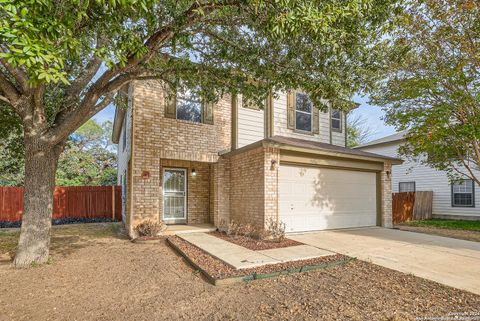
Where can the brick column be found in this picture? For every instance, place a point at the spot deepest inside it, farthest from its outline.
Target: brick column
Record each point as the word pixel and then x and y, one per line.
pixel 220 177
pixel 386 195
pixel 271 164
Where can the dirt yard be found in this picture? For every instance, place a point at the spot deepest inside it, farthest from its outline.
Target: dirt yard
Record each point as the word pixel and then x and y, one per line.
pixel 96 275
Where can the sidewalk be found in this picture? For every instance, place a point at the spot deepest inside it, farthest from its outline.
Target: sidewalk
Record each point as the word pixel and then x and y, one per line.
pixel 240 257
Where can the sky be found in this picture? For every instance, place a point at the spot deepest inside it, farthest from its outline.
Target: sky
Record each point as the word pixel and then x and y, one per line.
pixel 373 116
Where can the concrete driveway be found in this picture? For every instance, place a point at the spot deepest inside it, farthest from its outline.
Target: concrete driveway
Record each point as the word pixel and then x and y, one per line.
pixel 444 260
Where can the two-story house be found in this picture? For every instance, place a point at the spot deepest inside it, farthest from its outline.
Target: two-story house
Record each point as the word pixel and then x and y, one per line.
pixel 185 162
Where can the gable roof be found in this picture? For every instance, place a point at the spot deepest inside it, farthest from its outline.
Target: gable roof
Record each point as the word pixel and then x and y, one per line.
pixel 387 139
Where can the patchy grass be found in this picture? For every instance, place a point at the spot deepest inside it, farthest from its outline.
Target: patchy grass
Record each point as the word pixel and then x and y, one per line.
pixel 8 241
pixel 448 224
pixel 64 237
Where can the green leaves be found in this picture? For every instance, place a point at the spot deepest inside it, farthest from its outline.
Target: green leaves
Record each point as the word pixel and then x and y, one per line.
pixel 43 35
pixel 432 84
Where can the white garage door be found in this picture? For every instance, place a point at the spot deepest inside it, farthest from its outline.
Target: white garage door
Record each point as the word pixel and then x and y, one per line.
pixel 322 198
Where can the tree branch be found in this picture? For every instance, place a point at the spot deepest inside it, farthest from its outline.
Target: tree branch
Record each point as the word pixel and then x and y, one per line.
pixel 9 90
pixel 118 76
pixel 20 77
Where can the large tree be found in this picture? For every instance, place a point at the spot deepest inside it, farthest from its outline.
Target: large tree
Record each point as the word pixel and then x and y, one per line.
pixel 432 85
pixel 88 158
pixel 63 61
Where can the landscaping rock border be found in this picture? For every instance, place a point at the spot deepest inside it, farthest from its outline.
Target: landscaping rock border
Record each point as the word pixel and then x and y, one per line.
pixel 217 272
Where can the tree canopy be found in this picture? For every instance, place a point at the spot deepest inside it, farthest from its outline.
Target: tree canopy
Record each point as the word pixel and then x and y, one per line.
pixel 89 158
pixel 432 85
pixel 61 62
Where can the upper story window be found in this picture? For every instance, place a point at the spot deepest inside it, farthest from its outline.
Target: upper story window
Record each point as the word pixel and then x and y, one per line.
pixel 303 112
pixel 189 106
pixel 336 120
pixel 302 115
pixel 463 193
pixel 406 187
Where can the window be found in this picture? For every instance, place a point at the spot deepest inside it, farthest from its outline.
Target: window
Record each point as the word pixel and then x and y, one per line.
pixel 463 194
pixel 406 187
pixel 189 106
pixel 303 112
pixel 336 120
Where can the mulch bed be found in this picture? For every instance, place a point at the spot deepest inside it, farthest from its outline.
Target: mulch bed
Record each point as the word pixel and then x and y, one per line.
pixel 61 221
pixel 253 244
pixel 457 234
pixel 220 270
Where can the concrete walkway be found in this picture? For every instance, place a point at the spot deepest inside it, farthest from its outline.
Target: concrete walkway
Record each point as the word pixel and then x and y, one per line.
pixel 445 260
pixel 240 257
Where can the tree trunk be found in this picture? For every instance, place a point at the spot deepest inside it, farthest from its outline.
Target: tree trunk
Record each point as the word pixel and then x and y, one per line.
pixel 40 167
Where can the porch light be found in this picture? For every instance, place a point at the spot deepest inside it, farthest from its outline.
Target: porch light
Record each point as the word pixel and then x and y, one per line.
pixel 194 173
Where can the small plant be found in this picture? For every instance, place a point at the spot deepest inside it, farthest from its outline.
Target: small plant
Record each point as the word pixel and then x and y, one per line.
pixel 150 228
pixel 232 229
pixel 247 230
pixel 274 230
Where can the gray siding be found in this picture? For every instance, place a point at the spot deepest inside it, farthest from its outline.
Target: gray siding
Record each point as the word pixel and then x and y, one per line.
pixel 426 179
pixel 123 153
pixel 281 129
pixel 251 124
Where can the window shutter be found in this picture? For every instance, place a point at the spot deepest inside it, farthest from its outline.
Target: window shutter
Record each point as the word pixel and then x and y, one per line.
pixel 315 127
pixel 291 110
pixel 208 113
pixel 170 106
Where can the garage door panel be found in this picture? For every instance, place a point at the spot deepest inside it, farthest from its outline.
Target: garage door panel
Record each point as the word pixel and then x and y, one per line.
pixel 321 198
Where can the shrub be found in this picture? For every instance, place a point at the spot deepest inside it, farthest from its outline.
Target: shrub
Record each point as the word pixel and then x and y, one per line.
pixel 275 230
pixel 233 229
pixel 150 228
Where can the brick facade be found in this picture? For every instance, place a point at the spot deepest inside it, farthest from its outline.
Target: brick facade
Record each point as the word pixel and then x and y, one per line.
pixel 254 186
pixel 198 189
pixel 240 186
pixel 386 195
pixel 158 140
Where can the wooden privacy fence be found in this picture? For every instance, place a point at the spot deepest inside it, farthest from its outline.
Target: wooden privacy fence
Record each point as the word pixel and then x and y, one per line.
pixel 409 206
pixel 75 202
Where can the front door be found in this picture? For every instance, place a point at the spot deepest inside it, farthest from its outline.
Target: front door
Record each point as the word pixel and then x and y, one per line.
pixel 174 196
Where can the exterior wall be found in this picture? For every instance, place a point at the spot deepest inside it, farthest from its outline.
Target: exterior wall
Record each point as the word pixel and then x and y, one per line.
pixel 271 163
pixel 123 159
pixel 198 189
pixel 281 128
pixel 220 193
pixel 156 137
pixel 247 187
pixel 251 124
pixel 123 151
pixel 426 179
pixel 385 193
pixel 254 186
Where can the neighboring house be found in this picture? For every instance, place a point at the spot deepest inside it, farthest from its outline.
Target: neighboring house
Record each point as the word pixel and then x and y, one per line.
pixel 185 162
pixel 460 200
